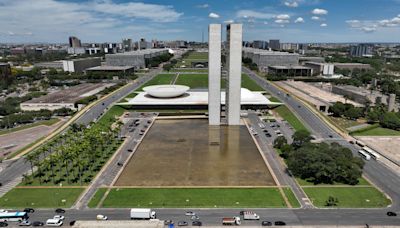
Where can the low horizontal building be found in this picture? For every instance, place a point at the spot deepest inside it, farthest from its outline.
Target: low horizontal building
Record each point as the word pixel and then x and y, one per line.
pixel 290 71
pixel 80 65
pixel 66 98
pixel 321 68
pixel 119 69
pixel 50 65
pixel 265 58
pixel 352 66
pixel 136 59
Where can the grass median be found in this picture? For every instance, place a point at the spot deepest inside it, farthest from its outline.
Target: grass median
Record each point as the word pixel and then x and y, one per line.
pixel 40 197
pixel 288 115
pixel 194 198
pixel 348 197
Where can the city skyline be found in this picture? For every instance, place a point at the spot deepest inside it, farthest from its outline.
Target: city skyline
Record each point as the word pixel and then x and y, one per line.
pixel 52 21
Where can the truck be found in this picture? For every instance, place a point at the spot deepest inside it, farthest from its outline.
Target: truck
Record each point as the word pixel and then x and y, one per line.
pixel 249 215
pixel 142 213
pixel 231 221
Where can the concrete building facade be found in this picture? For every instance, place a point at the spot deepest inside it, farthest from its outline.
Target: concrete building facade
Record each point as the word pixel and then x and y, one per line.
pixel 274 45
pixel 136 59
pixel 214 74
pixel 80 65
pixel 265 59
pixel 321 68
pixel 234 66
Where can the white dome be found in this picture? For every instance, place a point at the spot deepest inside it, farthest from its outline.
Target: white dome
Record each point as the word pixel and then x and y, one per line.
pixel 166 91
pixel 246 95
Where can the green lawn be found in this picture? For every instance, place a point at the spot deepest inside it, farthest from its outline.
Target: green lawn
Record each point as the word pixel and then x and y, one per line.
pixel 26 126
pixel 274 99
pixel 344 123
pixel 160 79
pixel 286 114
pixel 97 197
pixel 109 117
pixel 40 197
pixel 193 80
pixel 302 182
pixel 195 198
pixel 291 197
pixel 200 70
pixel 197 55
pixel 348 197
pixel 379 131
pixel 250 84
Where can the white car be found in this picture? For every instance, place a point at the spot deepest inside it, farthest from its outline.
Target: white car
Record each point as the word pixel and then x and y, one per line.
pixel 190 213
pixel 101 217
pixel 60 217
pixel 25 223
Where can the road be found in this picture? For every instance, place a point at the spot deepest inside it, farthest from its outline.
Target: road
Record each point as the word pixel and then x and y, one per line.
pixel 383 177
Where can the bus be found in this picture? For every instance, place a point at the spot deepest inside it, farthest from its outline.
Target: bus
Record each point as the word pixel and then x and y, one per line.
pixel 16 216
pixel 371 152
pixel 364 154
pixel 360 143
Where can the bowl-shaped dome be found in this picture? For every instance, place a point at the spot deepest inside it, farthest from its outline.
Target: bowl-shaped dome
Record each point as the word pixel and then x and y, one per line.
pixel 166 91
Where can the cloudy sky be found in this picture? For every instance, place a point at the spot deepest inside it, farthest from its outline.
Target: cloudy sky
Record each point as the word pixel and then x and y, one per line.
pixel 112 20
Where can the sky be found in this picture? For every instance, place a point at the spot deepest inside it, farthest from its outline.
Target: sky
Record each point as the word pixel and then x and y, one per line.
pixel 53 21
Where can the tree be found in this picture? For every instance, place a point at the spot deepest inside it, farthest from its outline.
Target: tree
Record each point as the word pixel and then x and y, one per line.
pixel 337 109
pixel 332 201
pixel 354 113
pixel 300 138
pixel 279 142
pixel 390 120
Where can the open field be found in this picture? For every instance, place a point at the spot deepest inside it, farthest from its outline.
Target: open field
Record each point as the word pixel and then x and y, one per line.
pixel 302 182
pixel 160 79
pixel 195 198
pixel 197 55
pixel 286 114
pixel 199 70
pixel 194 81
pixel 190 153
pixel 40 197
pixel 26 126
pixel 348 197
pixel 385 145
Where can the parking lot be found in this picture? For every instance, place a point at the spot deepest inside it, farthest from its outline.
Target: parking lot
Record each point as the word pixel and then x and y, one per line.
pixel 186 152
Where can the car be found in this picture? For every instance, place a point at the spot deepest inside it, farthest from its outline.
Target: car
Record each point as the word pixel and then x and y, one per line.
pixel 24 223
pixel 72 223
pixel 130 150
pixel 29 210
pixel 266 223
pixel 60 217
pixel 37 223
pixel 391 213
pixel 120 163
pixel 280 223
pixel 196 223
pixel 168 222
pixel 3 224
pixel 241 212
pixel 60 211
pixel 190 213
pixel 330 136
pixel 101 217
pixel 182 223
pixel 195 217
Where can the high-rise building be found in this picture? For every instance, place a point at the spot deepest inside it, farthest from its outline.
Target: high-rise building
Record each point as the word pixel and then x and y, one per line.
pixel 74 42
pixel 234 66
pixel 214 74
pixel 260 44
pixel 361 50
pixel 275 45
pixel 127 44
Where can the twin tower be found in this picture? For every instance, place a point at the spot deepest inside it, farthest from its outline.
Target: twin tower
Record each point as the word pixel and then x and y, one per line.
pixel 233 67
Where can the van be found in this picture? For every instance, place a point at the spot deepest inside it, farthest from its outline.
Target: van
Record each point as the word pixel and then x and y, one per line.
pixel 54 222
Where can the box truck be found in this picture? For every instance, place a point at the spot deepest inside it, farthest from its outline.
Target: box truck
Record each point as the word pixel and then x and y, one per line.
pixel 231 221
pixel 142 213
pixel 249 215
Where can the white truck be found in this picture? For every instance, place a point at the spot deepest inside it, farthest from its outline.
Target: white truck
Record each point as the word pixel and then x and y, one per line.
pixel 249 215
pixel 231 221
pixel 142 213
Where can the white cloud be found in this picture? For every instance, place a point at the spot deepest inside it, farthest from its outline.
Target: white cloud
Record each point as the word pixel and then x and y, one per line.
pixel 315 18
pixel 229 21
pixel 265 22
pixel 354 23
pixel 213 15
pixel 254 14
pixel 283 17
pixel 292 4
pixel 370 26
pixel 318 11
pixel 368 29
pixel 299 20
pixel 203 6
pixel 324 25
pixel 282 21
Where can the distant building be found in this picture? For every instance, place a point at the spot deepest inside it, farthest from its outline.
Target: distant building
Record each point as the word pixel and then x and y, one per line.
pixel 80 65
pixel 18 51
pixel 76 51
pixel 274 45
pixel 290 71
pixel 143 44
pixel 136 59
pixel 5 71
pixel 127 44
pixel 74 42
pixel 361 50
pixel 260 44
pixel 265 58
pixel 50 65
pixel 352 66
pixel 326 69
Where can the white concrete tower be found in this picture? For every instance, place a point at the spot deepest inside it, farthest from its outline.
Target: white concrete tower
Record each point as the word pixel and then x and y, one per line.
pixel 214 74
pixel 234 78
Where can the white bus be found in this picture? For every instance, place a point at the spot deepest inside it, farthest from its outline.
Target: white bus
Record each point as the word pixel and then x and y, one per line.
pixel 360 143
pixel 371 152
pixel 364 154
pixel 16 216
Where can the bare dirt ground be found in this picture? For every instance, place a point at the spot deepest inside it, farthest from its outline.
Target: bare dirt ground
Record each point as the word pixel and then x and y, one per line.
pixel 190 153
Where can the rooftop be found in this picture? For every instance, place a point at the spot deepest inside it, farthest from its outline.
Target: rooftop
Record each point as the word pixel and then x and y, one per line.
pixel 141 52
pixel 110 68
